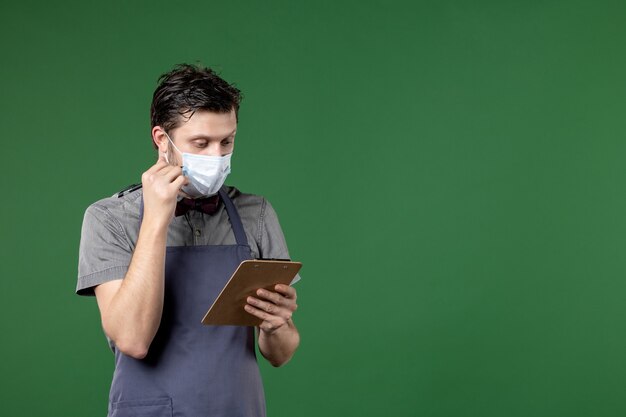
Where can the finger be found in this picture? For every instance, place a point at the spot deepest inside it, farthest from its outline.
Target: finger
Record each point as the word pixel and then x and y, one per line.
pixel 270 296
pixel 286 290
pixel 271 308
pixel 257 312
pixel 269 323
pixel 179 182
pixel 276 298
pixel 160 164
pixel 172 173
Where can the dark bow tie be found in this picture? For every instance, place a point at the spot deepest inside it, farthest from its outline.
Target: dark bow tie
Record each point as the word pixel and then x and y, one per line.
pixel 206 205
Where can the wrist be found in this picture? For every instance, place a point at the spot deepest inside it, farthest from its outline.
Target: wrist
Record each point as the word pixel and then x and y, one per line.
pixel 154 226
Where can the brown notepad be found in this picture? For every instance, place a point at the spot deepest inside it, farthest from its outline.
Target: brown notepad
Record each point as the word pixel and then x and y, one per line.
pixel 227 309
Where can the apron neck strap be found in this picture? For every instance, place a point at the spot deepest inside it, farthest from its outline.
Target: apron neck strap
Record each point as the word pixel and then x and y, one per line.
pixel 235 220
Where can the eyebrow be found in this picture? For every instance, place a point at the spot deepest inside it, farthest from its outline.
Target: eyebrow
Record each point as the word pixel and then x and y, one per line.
pixel 207 137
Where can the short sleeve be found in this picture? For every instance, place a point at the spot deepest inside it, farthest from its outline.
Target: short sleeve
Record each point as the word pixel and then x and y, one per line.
pixel 105 251
pixel 272 243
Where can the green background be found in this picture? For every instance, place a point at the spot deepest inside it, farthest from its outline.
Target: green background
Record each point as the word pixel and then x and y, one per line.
pixel 451 174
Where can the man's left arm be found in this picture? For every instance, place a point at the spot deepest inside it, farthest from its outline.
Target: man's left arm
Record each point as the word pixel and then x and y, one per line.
pixel 278 335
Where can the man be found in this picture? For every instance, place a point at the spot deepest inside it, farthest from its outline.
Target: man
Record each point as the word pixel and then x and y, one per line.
pixel 156 255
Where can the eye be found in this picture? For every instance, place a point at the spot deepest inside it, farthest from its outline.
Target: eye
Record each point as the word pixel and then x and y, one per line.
pixel 227 142
pixel 200 144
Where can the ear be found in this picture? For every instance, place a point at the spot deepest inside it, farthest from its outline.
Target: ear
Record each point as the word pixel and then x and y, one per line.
pixel 160 139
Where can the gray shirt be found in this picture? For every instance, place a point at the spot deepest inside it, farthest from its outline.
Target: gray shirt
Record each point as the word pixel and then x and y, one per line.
pixel 111 227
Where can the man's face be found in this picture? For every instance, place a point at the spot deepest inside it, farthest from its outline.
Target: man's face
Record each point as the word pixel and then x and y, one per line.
pixel 204 133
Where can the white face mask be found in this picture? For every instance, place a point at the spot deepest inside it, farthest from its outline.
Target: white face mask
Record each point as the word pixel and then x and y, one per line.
pixel 206 174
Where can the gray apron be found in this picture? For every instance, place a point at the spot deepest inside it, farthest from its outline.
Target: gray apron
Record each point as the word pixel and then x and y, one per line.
pixel 193 370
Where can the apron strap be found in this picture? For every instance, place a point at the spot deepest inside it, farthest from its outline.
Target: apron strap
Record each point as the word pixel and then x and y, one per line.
pixel 235 220
pixel 141 210
pixel 233 215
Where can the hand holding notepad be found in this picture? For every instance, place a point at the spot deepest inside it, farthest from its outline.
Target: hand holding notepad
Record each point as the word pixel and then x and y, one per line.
pixel 228 307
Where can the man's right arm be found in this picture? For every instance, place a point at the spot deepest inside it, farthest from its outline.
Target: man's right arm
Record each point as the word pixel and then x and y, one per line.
pixel 131 308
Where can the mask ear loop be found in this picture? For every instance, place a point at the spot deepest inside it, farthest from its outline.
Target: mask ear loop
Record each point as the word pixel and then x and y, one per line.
pixel 172 142
pixel 179 197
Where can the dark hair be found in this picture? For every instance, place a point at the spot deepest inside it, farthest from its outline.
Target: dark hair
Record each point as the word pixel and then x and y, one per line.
pixel 186 89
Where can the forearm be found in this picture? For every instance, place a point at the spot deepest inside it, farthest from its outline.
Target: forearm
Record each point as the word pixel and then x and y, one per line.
pixel 278 347
pixel 133 315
